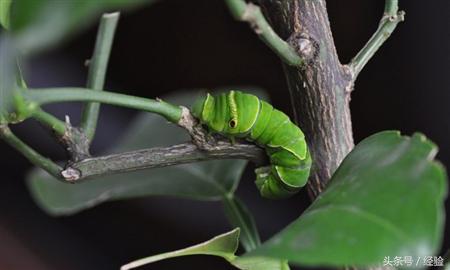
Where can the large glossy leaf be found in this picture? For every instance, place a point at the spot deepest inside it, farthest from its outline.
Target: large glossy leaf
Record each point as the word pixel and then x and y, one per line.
pixel 209 180
pixel 386 199
pixel 224 245
pixel 40 24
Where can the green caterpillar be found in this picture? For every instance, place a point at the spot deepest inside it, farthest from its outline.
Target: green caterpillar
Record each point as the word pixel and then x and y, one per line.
pixel 241 115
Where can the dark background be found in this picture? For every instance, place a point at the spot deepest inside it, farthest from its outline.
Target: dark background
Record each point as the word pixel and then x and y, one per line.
pixel 178 44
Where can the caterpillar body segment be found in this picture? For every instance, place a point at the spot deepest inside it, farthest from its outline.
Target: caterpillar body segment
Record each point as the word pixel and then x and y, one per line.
pixel 237 114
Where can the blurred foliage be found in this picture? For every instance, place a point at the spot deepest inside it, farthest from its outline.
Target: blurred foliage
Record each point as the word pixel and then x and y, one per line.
pixel 4 13
pixel 386 199
pixel 38 25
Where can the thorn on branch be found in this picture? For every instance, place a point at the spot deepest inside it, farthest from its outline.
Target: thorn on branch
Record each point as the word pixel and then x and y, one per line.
pixel 76 142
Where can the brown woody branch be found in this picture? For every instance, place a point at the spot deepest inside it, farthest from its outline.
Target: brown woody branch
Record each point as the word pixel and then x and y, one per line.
pixel 203 147
pixel 160 157
pixel 320 91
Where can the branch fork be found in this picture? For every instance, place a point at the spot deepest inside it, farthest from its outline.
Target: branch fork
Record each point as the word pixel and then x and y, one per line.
pixel 252 14
pixel 388 22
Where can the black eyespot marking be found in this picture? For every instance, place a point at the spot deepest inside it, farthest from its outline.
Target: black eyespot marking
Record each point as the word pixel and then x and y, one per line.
pixel 232 123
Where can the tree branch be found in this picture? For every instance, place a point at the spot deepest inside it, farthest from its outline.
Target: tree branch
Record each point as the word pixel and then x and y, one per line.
pixel 160 157
pixel 251 13
pixel 203 147
pixel 97 70
pixel 388 23
pixel 319 90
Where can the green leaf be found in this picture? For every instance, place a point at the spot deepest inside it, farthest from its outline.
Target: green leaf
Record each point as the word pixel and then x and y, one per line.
pixel 225 246
pixel 210 180
pixel 40 24
pixel 386 199
pixel 239 216
pixel 4 13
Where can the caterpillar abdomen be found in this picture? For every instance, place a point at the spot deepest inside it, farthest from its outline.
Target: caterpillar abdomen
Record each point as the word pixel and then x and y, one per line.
pixel 237 114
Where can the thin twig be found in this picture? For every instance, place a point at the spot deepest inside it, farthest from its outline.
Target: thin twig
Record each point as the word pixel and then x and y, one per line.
pixel 97 70
pixel 54 95
pixel 388 23
pixel 34 157
pixel 50 121
pixel 251 13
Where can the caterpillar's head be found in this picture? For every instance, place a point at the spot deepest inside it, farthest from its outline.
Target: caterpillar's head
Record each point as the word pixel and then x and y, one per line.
pixel 232 113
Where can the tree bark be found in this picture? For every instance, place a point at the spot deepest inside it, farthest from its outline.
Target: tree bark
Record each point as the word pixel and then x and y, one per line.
pixel 320 90
pixel 160 157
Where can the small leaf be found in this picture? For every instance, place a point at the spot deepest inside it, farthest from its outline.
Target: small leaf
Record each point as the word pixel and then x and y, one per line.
pixel 386 199
pixel 225 246
pixel 40 24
